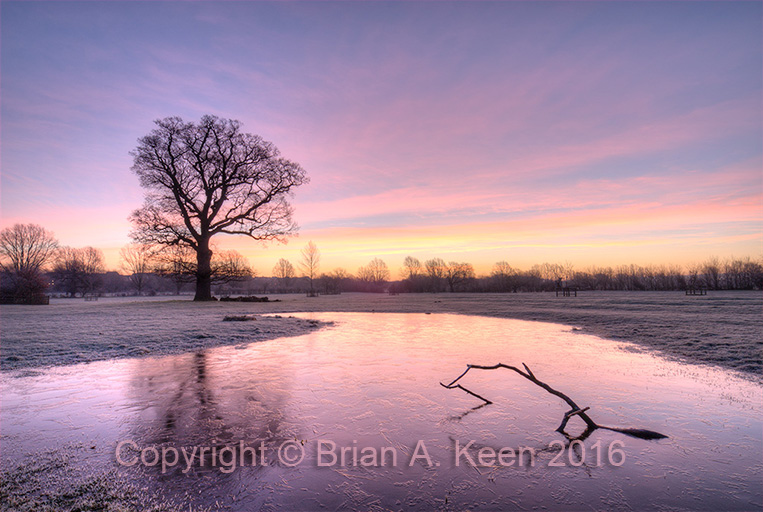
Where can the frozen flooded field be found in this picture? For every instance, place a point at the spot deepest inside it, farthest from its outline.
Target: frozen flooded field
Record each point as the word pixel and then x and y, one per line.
pixel 80 377
pixel 309 408
pixel 723 328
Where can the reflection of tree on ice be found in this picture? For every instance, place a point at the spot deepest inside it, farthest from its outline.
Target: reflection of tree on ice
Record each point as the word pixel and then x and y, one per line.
pixel 575 410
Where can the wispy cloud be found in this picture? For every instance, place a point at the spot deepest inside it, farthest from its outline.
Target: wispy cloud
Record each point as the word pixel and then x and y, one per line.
pixel 432 128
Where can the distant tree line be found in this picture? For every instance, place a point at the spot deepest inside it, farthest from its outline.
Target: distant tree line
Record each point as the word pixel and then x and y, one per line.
pixel 33 265
pixel 436 275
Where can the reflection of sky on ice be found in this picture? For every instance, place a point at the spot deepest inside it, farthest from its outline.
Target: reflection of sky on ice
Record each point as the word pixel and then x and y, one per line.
pixel 372 381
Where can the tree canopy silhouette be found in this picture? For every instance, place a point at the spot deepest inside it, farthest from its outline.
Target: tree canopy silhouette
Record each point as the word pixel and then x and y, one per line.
pixel 208 178
pixel 24 251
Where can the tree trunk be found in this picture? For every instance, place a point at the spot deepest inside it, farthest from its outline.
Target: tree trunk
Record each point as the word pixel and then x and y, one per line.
pixel 203 271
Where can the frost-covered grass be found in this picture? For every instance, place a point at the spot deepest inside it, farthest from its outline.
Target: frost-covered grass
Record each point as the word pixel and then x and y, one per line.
pixel 50 482
pixel 722 328
pixel 74 331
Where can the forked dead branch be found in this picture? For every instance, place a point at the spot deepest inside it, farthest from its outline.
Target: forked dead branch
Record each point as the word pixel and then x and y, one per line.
pixel 575 409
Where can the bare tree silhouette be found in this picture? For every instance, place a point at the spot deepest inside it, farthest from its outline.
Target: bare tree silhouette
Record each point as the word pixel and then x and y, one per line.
pixel 179 264
pixel 435 269
pixel 78 270
pixel 411 268
pixel 283 271
pixel 230 266
pixel 311 258
pixel 375 274
pixel 711 269
pixel 331 283
pixel 207 178
pixel 24 250
pixel 503 275
pixel 457 273
pixel 412 274
pixel 137 264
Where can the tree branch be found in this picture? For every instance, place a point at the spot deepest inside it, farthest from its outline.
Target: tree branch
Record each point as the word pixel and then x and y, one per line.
pixel 575 410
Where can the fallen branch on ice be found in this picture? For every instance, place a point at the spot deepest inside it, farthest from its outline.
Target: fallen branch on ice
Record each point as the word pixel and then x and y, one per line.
pixel 575 410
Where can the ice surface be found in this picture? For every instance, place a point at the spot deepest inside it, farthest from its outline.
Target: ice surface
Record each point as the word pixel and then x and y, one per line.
pixel 723 328
pixel 372 381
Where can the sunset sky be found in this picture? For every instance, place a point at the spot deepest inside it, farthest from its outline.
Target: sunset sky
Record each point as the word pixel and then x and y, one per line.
pixel 583 132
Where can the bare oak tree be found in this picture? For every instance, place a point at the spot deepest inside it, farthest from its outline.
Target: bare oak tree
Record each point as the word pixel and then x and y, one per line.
pixel 25 248
pixel 208 178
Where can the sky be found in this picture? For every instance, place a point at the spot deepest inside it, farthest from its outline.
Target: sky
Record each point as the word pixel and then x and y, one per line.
pixel 592 133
